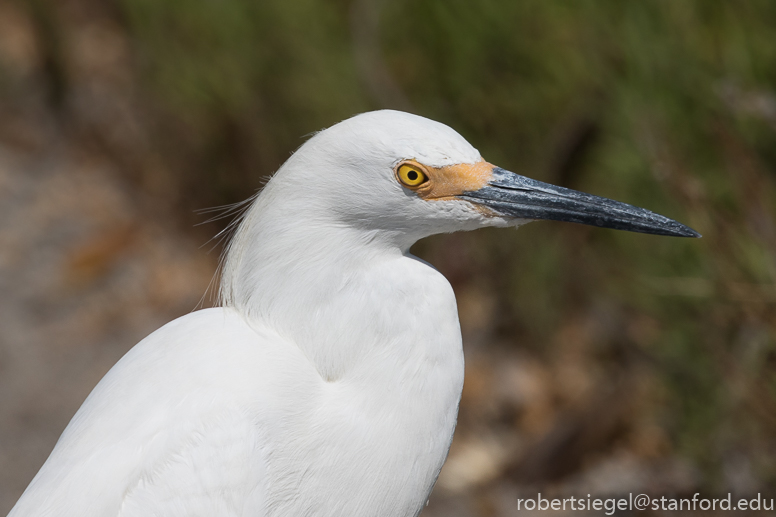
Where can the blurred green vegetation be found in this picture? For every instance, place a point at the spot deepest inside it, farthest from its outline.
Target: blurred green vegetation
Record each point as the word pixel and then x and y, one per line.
pixel 666 104
pixel 669 105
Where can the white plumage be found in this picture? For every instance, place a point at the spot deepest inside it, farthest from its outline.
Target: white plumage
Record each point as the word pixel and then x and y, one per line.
pixel 328 383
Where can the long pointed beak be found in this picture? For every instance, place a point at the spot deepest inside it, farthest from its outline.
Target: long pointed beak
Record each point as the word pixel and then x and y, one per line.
pixel 518 197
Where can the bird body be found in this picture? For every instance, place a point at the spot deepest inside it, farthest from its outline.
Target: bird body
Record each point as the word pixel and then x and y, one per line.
pixel 203 427
pixel 328 383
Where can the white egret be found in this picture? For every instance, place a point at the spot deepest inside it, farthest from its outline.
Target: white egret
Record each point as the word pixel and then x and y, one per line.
pixel 328 382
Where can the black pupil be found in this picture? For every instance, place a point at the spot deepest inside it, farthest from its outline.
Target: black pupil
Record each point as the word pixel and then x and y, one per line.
pixel 412 175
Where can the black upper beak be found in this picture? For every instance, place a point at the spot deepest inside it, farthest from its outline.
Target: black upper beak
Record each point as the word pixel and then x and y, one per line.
pixel 519 197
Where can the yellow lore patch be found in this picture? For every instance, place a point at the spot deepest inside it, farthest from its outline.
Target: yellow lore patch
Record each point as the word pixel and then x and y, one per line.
pixel 443 182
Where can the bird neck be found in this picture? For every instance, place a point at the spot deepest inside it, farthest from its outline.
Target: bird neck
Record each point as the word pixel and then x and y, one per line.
pixel 306 277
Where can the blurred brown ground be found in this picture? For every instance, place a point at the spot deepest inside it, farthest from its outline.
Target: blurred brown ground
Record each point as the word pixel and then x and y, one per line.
pixel 98 248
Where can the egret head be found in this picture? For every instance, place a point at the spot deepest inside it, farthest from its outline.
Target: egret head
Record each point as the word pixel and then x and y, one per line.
pixel 393 172
pixel 374 185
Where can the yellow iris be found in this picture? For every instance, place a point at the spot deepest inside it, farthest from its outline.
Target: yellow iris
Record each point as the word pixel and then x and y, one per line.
pixel 410 175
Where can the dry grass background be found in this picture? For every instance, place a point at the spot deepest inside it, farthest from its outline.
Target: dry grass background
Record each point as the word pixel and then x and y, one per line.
pixel 597 362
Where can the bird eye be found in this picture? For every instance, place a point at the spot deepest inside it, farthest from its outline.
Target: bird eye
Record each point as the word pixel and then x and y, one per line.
pixel 410 175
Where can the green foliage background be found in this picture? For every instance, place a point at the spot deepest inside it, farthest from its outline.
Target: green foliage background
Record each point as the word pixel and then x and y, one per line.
pixel 666 104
